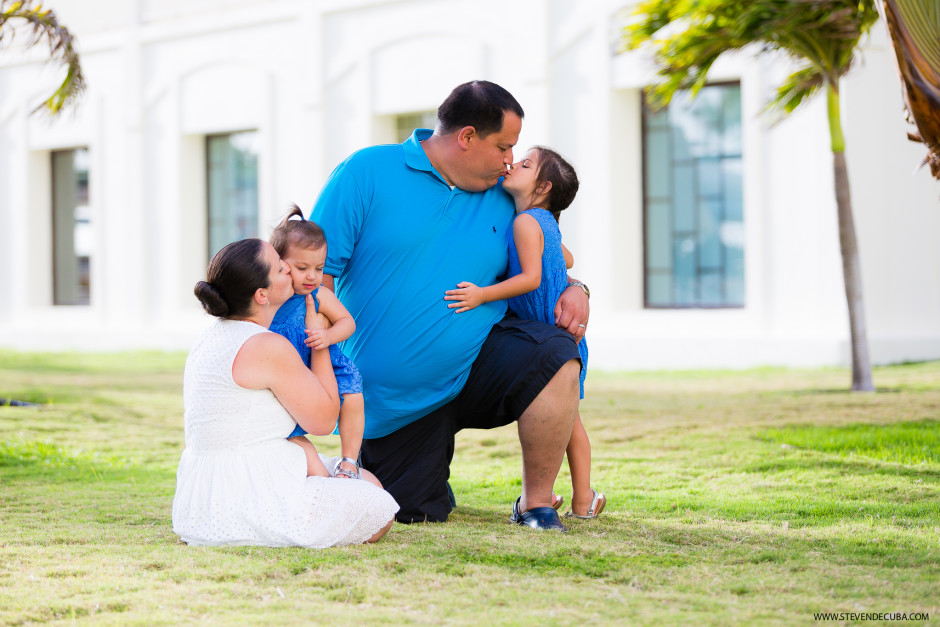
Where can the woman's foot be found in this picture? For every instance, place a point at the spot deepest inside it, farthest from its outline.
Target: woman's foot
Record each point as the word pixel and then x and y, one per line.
pixel 588 508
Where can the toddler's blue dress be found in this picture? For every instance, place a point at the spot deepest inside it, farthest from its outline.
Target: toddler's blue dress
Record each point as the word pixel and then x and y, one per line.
pixel 289 322
pixel 539 304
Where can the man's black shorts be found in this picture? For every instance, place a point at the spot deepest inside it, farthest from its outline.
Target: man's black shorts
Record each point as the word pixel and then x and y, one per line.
pixel 518 358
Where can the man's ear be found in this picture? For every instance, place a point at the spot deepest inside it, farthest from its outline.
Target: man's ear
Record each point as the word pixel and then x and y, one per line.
pixel 464 136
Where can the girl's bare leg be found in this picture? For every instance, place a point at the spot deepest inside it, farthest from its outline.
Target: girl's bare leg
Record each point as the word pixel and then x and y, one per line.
pixel 315 467
pixel 352 420
pixel 579 461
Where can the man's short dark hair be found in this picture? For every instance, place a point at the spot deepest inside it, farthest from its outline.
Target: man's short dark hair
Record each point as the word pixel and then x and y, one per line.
pixel 480 104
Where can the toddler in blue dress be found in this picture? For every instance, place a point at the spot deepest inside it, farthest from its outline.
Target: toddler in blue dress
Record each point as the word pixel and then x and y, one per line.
pixel 542 184
pixel 302 245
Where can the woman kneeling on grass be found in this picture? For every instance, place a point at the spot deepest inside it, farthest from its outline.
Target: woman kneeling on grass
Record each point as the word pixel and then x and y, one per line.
pixel 245 389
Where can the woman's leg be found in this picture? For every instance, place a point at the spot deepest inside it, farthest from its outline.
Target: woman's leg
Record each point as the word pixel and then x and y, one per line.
pixel 315 467
pixel 381 532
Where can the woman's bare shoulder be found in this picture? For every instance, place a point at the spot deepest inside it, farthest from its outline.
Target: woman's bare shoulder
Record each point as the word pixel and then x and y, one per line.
pixel 260 358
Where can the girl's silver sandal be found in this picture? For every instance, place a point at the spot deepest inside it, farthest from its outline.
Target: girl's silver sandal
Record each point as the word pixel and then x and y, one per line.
pixel 597 506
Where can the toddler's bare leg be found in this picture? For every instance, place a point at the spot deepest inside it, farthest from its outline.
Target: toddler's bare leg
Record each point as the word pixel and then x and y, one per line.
pixel 579 461
pixel 315 467
pixel 352 420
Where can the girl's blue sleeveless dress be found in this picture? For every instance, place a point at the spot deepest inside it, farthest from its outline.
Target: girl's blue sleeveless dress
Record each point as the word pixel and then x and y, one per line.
pixel 539 304
pixel 289 322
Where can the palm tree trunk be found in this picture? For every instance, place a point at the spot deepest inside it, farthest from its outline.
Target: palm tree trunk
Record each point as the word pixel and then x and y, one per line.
pixel 851 267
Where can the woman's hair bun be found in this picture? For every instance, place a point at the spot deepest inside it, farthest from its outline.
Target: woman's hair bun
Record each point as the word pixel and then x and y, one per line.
pixel 212 301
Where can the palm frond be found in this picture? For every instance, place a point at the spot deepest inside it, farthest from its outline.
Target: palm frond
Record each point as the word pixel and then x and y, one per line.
pixel 42 24
pixel 914 27
pixel 799 87
pixel 687 37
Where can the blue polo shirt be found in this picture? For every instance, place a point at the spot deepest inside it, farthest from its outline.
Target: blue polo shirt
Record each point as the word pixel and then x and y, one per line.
pixel 398 236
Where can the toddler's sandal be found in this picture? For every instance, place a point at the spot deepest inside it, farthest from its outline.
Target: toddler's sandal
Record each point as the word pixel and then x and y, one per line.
pixel 339 471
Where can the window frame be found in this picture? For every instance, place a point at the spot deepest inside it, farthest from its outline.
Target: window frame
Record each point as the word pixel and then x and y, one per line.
pixel 56 252
pixel 208 186
pixel 646 111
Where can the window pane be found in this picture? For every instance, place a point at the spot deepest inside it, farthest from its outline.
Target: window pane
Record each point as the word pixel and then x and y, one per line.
pixel 731 186
pixel 657 165
pixel 233 188
pixel 659 289
pixel 711 285
pixel 406 124
pixel 731 121
pixel 709 242
pixel 709 177
pixel 693 201
pixel 73 241
pixel 684 197
pixel 685 267
pixel 659 236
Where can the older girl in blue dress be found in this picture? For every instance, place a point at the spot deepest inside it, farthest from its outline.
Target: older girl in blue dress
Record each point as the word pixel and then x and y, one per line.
pixel 302 245
pixel 542 184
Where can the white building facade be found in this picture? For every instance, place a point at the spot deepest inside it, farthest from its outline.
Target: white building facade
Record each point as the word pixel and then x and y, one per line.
pixel 708 238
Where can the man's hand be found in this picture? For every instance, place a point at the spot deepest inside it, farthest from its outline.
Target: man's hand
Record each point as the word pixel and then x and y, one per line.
pixel 572 311
pixel 467 297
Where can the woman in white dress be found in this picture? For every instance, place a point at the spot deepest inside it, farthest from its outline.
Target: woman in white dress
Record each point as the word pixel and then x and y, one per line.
pixel 240 481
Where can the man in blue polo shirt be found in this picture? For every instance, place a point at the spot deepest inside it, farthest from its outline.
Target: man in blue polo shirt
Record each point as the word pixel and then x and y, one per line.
pixel 405 223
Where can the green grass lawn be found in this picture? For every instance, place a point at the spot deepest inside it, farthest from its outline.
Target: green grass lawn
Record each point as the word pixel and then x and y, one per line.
pixel 757 497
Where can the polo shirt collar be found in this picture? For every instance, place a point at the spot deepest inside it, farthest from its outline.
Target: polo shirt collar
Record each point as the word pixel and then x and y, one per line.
pixel 415 157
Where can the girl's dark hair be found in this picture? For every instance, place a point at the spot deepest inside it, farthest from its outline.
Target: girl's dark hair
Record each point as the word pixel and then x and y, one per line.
pixel 301 233
pixel 480 104
pixel 564 180
pixel 235 273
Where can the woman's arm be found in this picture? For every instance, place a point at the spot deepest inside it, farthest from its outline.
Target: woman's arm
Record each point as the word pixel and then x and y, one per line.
pixel 530 242
pixel 342 322
pixel 269 361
